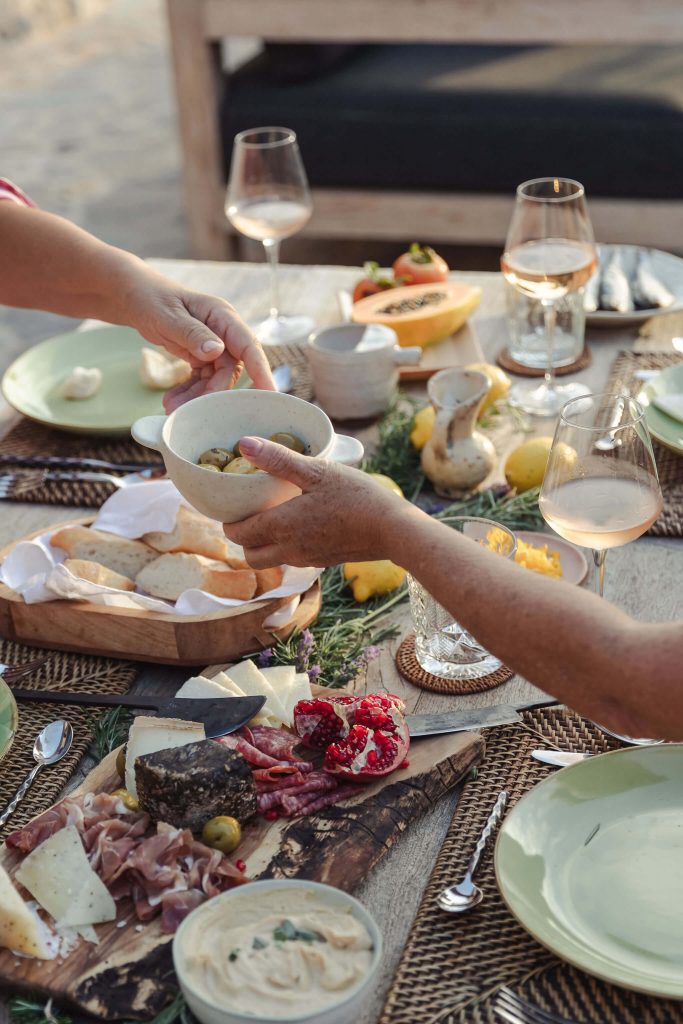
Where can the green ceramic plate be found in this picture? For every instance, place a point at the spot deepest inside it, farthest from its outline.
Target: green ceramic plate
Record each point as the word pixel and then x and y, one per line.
pixel 33 382
pixel 667 430
pixel 591 863
pixel 8 718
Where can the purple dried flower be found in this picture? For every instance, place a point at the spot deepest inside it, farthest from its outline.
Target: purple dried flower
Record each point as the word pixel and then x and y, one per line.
pixel 313 673
pixel 304 650
pixel 371 653
pixel 265 657
pixel 500 490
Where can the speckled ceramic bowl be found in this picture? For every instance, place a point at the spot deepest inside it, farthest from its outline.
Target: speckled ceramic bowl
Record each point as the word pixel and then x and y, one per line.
pixel 222 419
pixel 346 1011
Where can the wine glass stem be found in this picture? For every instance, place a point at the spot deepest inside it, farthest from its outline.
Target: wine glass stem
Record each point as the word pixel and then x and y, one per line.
pixel 599 560
pixel 272 247
pixel 549 321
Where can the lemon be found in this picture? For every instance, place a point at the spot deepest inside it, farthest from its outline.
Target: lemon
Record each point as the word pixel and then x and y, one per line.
pixel 370 579
pixel 386 481
pixel 423 424
pixel 500 383
pixel 525 465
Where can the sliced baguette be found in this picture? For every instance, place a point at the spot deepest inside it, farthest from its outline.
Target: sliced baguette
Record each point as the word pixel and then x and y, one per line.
pixel 195 534
pixel 119 554
pixel 93 572
pixel 170 575
pixel 268 579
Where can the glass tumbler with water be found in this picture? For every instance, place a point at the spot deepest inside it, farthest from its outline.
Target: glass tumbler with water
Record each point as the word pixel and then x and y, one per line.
pixel 442 646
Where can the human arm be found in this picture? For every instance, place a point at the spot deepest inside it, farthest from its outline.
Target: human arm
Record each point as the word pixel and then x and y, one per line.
pixel 48 263
pixel 587 653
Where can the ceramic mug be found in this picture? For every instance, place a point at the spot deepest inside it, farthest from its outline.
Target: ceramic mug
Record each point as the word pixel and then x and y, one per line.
pixel 221 419
pixel 355 369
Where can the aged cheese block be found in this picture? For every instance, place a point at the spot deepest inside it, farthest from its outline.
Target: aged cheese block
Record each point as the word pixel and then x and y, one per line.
pixel 186 786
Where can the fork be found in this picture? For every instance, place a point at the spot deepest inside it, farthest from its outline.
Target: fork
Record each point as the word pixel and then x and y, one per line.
pixel 16 484
pixel 516 1010
pixel 12 673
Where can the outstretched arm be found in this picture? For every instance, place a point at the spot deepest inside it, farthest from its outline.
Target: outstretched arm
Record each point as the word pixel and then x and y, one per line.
pixel 589 654
pixel 48 263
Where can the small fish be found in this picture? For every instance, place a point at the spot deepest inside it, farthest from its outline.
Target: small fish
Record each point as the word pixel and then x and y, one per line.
pixel 648 291
pixel 591 291
pixel 615 292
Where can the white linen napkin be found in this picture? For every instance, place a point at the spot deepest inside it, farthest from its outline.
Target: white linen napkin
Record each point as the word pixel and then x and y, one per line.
pixel 34 570
pixel 672 405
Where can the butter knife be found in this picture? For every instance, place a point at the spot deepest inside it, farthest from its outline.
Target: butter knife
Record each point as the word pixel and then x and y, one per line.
pixel 559 758
pixel 471 720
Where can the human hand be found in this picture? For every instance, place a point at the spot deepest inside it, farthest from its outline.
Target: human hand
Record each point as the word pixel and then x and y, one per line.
pixel 342 514
pixel 204 330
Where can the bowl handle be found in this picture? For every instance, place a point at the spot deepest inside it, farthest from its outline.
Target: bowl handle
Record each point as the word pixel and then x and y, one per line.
pixel 407 356
pixel 347 450
pixel 147 431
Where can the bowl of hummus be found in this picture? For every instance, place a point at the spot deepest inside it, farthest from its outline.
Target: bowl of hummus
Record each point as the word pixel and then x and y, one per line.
pixel 278 952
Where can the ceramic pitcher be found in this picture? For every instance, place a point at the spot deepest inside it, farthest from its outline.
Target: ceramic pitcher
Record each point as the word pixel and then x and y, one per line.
pixel 457 457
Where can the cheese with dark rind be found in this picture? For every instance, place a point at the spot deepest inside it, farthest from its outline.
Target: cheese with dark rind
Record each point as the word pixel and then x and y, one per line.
pixel 187 786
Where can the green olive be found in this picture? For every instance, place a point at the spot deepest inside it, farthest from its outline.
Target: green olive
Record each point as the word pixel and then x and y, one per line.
pixel 127 799
pixel 241 465
pixel 121 763
pixel 289 441
pixel 207 465
pixel 222 833
pixel 218 457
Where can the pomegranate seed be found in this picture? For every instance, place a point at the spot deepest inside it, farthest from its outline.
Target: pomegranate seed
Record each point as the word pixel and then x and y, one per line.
pixel 405 764
pixel 271 815
pixel 241 865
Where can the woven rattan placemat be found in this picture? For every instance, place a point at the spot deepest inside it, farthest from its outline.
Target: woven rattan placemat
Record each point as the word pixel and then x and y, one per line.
pixel 452 966
pixel 63 671
pixel 29 438
pixel 669 464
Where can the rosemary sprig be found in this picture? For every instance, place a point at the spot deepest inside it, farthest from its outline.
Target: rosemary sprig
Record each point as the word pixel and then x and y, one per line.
pixel 395 455
pixel 111 730
pixel 516 511
pixel 34 1010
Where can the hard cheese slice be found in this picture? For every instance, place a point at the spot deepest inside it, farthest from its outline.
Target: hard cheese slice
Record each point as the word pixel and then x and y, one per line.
pixel 255 684
pixel 262 718
pixel 291 686
pixel 204 688
pixel 59 876
pixel 147 735
pixel 20 929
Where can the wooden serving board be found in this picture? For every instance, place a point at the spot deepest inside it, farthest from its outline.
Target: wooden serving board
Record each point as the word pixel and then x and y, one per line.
pixel 130 975
pixel 461 349
pixel 139 635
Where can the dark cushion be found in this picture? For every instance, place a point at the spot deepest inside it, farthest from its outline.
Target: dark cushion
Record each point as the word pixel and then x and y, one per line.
pixel 479 118
pixel 296 62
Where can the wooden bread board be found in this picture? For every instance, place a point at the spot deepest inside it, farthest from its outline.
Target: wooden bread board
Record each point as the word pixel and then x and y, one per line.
pixel 461 349
pixel 129 975
pixel 140 635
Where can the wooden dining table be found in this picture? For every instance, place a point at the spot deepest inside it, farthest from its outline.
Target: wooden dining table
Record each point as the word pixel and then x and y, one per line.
pixel 642 577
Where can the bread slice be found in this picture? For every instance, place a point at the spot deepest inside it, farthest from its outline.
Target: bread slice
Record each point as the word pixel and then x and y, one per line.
pixel 119 554
pixel 196 534
pixel 93 572
pixel 268 579
pixel 170 575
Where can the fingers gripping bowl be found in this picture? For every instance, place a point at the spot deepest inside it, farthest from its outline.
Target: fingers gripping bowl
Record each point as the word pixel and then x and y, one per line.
pixel 223 418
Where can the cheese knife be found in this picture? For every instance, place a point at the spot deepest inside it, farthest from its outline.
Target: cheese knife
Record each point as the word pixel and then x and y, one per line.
pixel 218 715
pixel 472 719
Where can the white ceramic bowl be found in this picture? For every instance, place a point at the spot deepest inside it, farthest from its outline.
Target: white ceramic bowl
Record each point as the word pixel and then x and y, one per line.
pixel 222 419
pixel 346 1011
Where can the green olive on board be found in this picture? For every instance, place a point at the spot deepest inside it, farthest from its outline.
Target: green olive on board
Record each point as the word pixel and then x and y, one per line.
pixel 241 465
pixel 218 457
pixel 121 763
pixel 222 833
pixel 288 441
pixel 127 799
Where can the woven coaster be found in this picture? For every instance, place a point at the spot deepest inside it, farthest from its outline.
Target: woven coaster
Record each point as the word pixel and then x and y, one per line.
pixel 410 669
pixel 505 360
pixel 62 672
pixel 28 438
pixel 450 970
pixel 669 464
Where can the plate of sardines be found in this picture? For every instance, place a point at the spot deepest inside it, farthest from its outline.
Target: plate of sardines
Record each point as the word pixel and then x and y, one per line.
pixel 632 284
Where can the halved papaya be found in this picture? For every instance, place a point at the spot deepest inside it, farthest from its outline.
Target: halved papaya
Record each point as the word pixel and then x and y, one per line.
pixel 420 313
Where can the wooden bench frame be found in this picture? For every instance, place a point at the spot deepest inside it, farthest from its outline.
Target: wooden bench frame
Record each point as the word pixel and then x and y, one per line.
pixel 197 28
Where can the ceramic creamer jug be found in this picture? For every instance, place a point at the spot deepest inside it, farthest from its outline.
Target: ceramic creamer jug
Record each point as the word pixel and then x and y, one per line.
pixel 457 457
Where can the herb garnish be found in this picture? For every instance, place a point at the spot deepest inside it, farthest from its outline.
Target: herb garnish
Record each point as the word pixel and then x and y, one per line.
pixel 258 943
pixel 287 931
pixel 232 955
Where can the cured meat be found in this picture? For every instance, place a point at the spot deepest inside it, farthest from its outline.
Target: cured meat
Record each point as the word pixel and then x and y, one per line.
pixel 258 757
pixel 83 812
pixel 187 786
pixel 279 743
pixel 278 774
pixel 316 803
pixel 282 797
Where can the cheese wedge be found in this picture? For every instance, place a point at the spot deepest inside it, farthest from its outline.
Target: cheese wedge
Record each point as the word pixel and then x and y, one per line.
pixel 147 735
pixel 57 873
pixel 255 684
pixel 200 686
pixel 20 928
pixel 281 678
pixel 263 717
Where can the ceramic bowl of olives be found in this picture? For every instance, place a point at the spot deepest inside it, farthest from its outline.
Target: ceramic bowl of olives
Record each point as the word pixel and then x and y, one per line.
pixel 199 444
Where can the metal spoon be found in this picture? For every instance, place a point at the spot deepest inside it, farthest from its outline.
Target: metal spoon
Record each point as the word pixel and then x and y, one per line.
pixel 465 895
pixel 52 743
pixel 609 441
pixel 282 375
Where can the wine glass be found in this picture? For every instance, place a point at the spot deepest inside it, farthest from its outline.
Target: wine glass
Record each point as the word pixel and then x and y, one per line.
pixel 601 488
pixel 268 199
pixel 549 252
